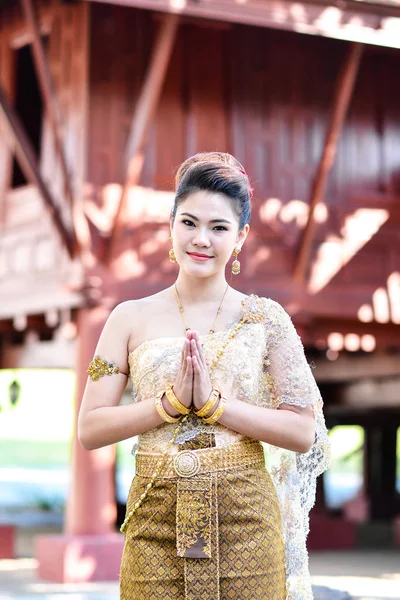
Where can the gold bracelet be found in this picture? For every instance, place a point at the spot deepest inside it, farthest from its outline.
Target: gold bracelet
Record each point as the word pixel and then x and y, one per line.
pixel 162 412
pixel 218 412
pixel 209 405
pixel 175 402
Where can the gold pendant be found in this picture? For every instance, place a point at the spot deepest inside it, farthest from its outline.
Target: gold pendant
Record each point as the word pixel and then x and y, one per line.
pixel 236 267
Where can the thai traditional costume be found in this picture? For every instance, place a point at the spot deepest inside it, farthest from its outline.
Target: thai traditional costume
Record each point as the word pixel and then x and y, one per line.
pixel 227 516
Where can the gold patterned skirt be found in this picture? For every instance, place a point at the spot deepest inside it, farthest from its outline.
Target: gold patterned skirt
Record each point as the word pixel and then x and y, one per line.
pixel 213 535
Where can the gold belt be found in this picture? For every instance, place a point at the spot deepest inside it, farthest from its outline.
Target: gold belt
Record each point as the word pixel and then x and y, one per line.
pixel 190 463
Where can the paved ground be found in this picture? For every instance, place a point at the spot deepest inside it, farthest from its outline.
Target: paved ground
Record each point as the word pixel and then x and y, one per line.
pixel 364 575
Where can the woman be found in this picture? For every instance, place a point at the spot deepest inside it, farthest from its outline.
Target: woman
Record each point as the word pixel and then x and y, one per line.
pixel 214 373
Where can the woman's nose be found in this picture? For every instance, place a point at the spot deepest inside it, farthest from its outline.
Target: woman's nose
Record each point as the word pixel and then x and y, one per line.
pixel 201 238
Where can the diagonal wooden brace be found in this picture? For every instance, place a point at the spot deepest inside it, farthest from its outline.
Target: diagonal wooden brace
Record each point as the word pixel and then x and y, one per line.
pixel 343 93
pixel 143 116
pixel 47 90
pixel 20 142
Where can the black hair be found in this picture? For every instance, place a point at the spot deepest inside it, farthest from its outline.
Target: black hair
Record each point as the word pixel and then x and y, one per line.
pixel 215 172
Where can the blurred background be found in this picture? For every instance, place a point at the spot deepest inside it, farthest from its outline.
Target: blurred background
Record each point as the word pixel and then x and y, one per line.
pixel 99 104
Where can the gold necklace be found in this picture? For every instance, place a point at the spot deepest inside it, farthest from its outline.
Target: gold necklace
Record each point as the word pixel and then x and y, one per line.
pixel 212 330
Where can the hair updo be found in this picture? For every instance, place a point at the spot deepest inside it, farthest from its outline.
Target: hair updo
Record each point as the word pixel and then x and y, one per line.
pixel 217 172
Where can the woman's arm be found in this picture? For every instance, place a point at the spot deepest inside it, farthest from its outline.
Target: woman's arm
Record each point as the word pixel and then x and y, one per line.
pixel 98 427
pixel 101 420
pixel 292 424
pixel 295 392
pixel 290 427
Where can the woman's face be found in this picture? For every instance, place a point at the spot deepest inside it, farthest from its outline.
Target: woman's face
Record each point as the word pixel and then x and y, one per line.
pixel 206 224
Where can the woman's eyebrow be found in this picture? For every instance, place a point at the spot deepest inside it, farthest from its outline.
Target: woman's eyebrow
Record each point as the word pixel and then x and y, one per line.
pixel 212 220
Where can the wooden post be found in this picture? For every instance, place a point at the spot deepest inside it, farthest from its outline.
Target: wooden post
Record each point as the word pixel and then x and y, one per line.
pixel 89 549
pixel 381 470
pixel 26 156
pixel 48 92
pixel 343 93
pixel 91 502
pixel 144 113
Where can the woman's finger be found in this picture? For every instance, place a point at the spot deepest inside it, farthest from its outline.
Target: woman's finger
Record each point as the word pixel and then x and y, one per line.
pixel 196 366
pixel 188 348
pixel 189 334
pixel 183 353
pixel 196 353
pixel 181 372
pixel 189 368
pixel 200 353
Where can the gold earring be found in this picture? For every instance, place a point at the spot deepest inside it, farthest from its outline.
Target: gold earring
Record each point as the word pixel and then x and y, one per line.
pixel 172 256
pixel 236 263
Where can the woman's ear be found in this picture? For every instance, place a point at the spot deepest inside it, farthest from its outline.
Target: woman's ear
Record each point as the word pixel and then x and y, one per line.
pixel 242 235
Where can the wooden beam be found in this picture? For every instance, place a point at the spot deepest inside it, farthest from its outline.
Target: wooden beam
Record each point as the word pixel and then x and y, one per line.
pixel 353 368
pixel 143 115
pixel 18 137
pixel 390 202
pixel 355 21
pixel 386 335
pixel 343 93
pixel 371 393
pixel 48 91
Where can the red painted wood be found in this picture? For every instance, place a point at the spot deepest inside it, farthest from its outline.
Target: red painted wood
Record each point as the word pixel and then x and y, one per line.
pixel 77 559
pixel 264 95
pixel 331 534
pixel 368 19
pixel 7 541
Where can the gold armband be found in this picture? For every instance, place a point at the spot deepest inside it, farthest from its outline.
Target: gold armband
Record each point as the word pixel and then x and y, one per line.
pixel 209 405
pixel 99 367
pixel 175 402
pixel 218 412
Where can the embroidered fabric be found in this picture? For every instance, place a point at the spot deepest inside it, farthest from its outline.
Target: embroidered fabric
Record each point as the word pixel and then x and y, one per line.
pixel 263 365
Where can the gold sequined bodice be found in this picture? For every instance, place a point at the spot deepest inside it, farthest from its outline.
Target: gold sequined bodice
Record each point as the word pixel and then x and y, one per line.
pixel 154 365
pixel 244 372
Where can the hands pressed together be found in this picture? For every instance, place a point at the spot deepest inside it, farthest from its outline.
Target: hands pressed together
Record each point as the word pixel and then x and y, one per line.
pixel 193 384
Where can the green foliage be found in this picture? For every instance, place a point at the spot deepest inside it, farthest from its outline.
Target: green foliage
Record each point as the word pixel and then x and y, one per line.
pixel 34 453
pixel 347 442
pixel 36 430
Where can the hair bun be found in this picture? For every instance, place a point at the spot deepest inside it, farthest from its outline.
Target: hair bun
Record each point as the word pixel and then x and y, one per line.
pixel 216 172
pixel 210 158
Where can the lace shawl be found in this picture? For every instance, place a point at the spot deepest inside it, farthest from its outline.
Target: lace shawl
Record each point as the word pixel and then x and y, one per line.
pixel 265 365
pixel 294 474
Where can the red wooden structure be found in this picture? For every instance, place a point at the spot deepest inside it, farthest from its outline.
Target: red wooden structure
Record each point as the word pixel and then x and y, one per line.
pixel 99 104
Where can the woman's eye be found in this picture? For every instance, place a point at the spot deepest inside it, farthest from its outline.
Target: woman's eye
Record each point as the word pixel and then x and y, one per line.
pixel 191 224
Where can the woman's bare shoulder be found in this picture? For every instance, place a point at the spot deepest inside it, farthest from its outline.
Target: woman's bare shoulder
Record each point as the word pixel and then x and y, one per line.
pixel 137 315
pixel 141 306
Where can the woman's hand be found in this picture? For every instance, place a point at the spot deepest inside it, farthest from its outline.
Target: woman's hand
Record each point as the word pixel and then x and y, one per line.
pixel 183 386
pixel 202 387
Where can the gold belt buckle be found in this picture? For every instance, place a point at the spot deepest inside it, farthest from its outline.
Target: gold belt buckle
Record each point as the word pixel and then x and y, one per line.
pixel 186 463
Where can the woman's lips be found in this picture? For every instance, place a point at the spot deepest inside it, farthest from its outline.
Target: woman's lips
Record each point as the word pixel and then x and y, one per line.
pixel 199 258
